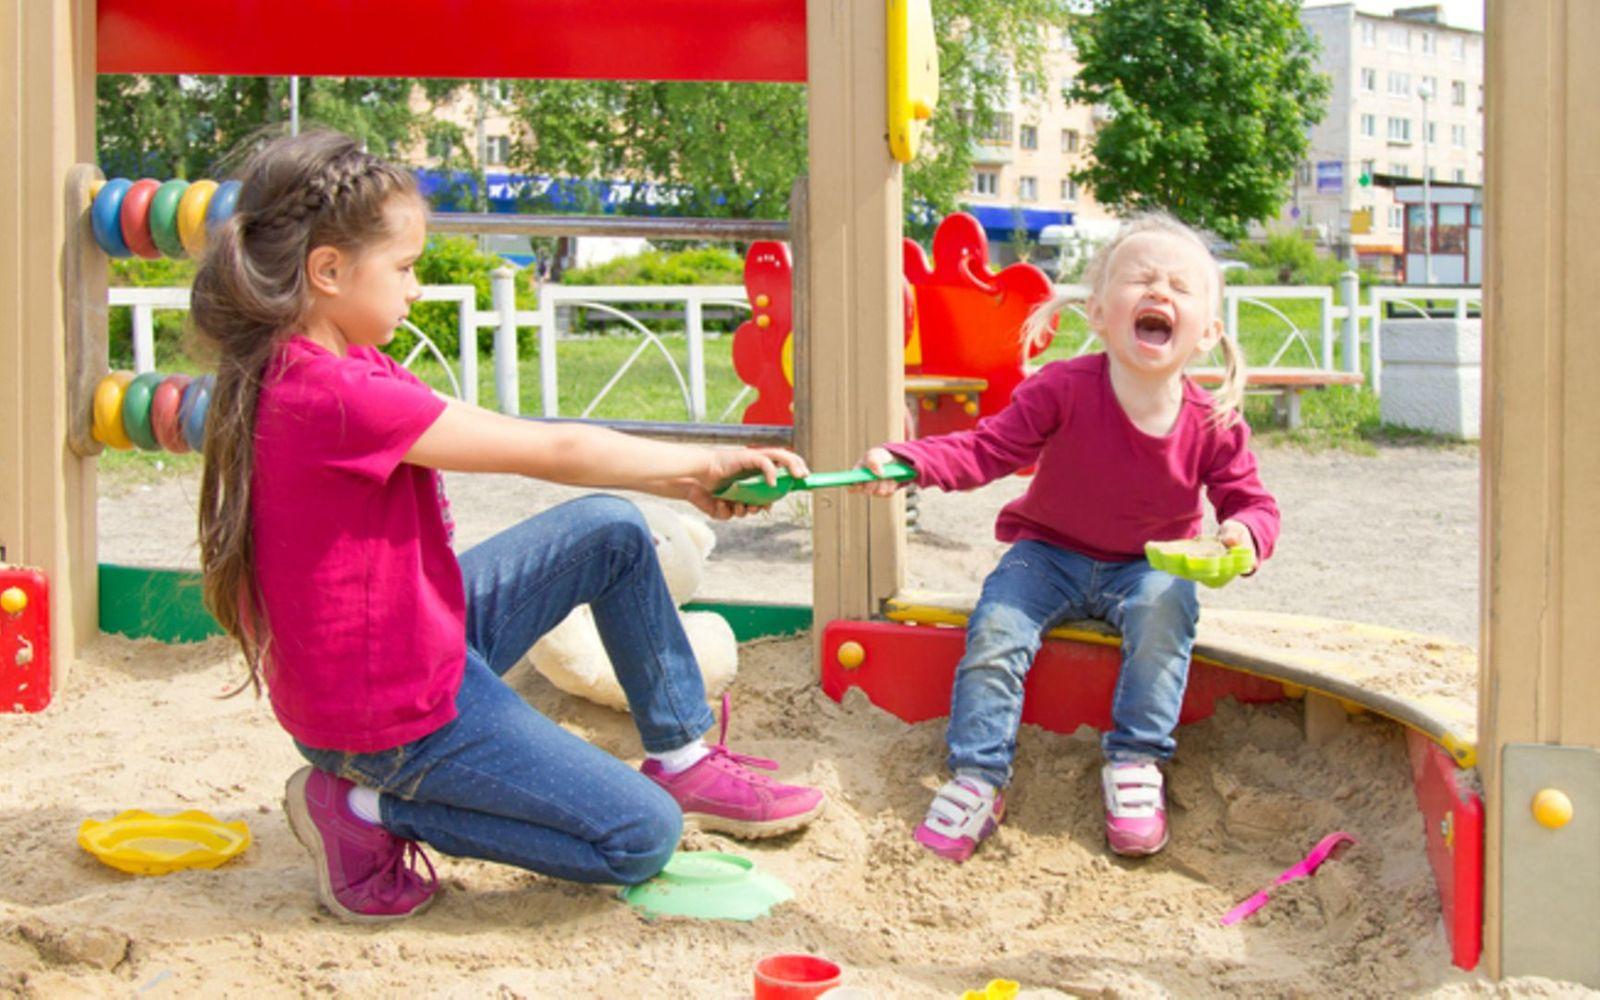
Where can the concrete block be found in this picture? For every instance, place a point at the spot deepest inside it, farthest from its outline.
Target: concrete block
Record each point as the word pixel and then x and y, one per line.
pixel 1432 375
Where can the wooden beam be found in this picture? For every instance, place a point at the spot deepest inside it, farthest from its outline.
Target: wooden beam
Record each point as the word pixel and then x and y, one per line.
pixel 47 493
pixel 854 356
pixel 1540 675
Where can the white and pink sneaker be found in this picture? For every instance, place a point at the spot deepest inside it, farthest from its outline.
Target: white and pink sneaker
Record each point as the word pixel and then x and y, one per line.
pixel 962 815
pixel 1136 808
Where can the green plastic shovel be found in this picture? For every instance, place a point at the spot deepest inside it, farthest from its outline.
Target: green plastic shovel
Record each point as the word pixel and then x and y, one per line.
pixel 757 492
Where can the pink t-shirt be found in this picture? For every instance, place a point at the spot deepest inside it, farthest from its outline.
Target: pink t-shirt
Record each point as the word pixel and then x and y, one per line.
pixel 362 592
pixel 1104 487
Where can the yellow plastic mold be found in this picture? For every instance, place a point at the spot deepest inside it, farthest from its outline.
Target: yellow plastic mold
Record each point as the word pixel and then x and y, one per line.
pixel 1179 559
pixel 144 843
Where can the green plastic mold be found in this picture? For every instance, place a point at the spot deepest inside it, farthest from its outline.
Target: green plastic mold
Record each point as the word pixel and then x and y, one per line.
pixel 757 492
pixel 709 885
pixel 1203 560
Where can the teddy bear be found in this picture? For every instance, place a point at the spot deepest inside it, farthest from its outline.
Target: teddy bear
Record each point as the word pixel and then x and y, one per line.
pixel 572 657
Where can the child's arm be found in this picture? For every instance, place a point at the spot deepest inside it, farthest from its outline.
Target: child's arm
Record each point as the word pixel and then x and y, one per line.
pixel 1246 513
pixel 467 438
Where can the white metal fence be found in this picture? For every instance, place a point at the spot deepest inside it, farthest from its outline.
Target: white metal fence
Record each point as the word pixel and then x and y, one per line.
pixel 1343 312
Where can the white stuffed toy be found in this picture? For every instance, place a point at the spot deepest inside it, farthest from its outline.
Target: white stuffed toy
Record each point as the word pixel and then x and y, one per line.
pixel 572 657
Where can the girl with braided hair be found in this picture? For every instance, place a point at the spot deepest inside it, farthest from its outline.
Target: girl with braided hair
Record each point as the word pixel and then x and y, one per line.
pixel 326 551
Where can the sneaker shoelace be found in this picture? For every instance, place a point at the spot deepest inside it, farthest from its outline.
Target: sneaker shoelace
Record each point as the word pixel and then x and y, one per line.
pixel 399 870
pixel 728 760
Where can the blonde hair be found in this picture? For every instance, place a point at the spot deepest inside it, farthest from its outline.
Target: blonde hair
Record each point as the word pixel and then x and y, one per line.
pixel 296 193
pixel 1229 396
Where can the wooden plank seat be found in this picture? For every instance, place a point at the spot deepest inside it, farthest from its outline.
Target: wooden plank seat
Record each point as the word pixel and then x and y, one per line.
pixel 1286 383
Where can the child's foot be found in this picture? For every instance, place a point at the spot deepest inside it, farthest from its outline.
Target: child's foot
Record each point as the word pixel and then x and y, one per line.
pixel 720 793
pixel 960 818
pixel 364 872
pixel 1136 808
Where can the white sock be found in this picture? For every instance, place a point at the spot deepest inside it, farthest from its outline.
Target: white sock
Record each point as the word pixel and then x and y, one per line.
pixel 979 784
pixel 364 803
pixel 681 759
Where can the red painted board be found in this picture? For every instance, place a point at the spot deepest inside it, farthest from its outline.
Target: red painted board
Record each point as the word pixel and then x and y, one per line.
pixel 746 40
pixel 1452 817
pixel 24 640
pixel 909 671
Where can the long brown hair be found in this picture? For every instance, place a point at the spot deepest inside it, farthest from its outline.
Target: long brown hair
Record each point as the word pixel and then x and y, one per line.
pixel 296 193
pixel 1229 396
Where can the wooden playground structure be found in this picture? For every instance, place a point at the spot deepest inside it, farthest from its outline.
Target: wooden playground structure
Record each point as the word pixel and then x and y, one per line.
pixel 1536 727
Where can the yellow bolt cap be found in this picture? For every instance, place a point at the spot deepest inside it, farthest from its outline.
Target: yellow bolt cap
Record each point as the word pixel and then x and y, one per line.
pixel 851 655
pixel 1552 808
pixel 13 600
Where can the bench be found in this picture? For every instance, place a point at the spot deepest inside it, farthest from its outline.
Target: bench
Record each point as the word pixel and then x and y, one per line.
pixel 1286 383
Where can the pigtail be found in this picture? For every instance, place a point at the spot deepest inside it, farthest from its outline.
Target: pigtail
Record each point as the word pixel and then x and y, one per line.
pixel 1039 328
pixel 1227 400
pixel 251 291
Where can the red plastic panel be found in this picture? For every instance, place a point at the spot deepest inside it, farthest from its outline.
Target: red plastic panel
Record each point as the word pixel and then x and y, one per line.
pixel 758 343
pixel 25 641
pixel 909 670
pixel 751 40
pixel 969 321
pixel 1452 818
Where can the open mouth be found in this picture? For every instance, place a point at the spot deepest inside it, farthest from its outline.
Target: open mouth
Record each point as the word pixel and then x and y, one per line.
pixel 1152 328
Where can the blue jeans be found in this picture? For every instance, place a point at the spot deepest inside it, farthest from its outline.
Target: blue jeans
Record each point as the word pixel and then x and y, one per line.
pixel 501 781
pixel 1037 586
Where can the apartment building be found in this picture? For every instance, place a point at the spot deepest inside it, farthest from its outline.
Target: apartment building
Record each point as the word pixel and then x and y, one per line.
pixel 1020 183
pixel 1406 102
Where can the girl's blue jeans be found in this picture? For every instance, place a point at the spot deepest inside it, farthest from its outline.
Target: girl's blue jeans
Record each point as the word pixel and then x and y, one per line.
pixel 1037 586
pixel 503 782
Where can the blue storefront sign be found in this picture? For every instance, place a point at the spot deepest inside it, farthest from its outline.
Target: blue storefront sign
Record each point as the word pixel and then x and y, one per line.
pixel 1330 177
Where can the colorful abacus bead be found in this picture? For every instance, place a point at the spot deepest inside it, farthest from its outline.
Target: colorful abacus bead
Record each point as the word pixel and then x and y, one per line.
pixel 222 205
pixel 105 217
pixel 108 395
pixel 192 411
pixel 164 217
pixel 136 410
pixel 192 216
pixel 164 405
pixel 135 218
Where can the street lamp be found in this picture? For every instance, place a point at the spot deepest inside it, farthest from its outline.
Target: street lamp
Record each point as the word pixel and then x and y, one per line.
pixel 1426 93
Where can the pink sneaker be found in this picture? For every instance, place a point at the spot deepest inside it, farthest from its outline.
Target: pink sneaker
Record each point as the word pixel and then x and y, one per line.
pixel 1136 808
pixel 720 792
pixel 364 872
pixel 959 819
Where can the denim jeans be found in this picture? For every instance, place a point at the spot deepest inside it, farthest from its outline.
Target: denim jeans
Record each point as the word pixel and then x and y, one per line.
pixel 501 781
pixel 1037 586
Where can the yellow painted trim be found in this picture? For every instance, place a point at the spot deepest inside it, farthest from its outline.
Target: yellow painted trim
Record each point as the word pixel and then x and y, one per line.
pixel 913 73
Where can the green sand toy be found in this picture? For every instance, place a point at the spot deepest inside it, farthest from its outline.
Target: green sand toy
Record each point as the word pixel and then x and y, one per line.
pixel 757 492
pixel 709 885
pixel 1203 560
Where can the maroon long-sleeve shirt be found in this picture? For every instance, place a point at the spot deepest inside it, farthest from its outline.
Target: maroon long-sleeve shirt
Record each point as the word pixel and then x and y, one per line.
pixel 1103 487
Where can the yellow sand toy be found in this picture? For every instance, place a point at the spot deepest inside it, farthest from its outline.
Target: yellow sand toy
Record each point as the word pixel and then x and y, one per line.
pixel 148 844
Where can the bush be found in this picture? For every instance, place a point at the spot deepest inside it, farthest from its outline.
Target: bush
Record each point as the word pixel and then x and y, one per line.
pixel 700 266
pixel 1286 257
pixel 170 336
pixel 456 260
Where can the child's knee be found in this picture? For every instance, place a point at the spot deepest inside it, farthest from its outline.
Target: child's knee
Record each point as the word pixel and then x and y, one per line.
pixel 616 520
pixel 1166 598
pixel 643 847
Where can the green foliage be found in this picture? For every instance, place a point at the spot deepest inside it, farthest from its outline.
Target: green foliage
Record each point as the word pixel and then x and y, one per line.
pixel 1209 104
pixel 701 266
pixel 1286 257
pixel 456 260
pixel 169 331
pixel 734 149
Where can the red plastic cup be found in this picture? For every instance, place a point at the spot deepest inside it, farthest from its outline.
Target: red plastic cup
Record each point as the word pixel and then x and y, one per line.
pixel 794 977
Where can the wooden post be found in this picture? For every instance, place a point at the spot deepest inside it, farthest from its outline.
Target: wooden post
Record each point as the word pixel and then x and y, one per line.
pixel 854 361
pixel 47 493
pixel 1540 679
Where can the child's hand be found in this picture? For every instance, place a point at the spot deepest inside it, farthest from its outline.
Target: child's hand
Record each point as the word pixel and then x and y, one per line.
pixel 1233 534
pixel 729 463
pixel 875 459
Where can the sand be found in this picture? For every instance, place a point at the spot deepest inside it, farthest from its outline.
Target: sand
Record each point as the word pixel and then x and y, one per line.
pixel 1043 903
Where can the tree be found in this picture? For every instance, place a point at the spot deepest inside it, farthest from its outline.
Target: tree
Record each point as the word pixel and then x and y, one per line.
pixel 734 149
pixel 1207 105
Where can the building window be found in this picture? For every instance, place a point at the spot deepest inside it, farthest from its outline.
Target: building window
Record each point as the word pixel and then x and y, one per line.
pixel 999 131
pixel 1369 126
pixel 1399 169
pixel 493 92
pixel 1066 41
pixel 1430 135
pixel 1369 167
pixel 1399 84
pixel 496 149
pixel 1066 85
pixel 1400 39
pixel 1369 34
pixel 1458 47
pixel 1458 93
pixel 985 182
pixel 1028 137
pixel 1303 175
pixel 1069 190
pixel 1369 81
pixel 1432 85
pixel 1069 140
pixel 1399 130
pixel 1458 136
pixel 1397 217
pixel 1433 173
pixel 1429 46
pixel 1027 189
pixel 1461 175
